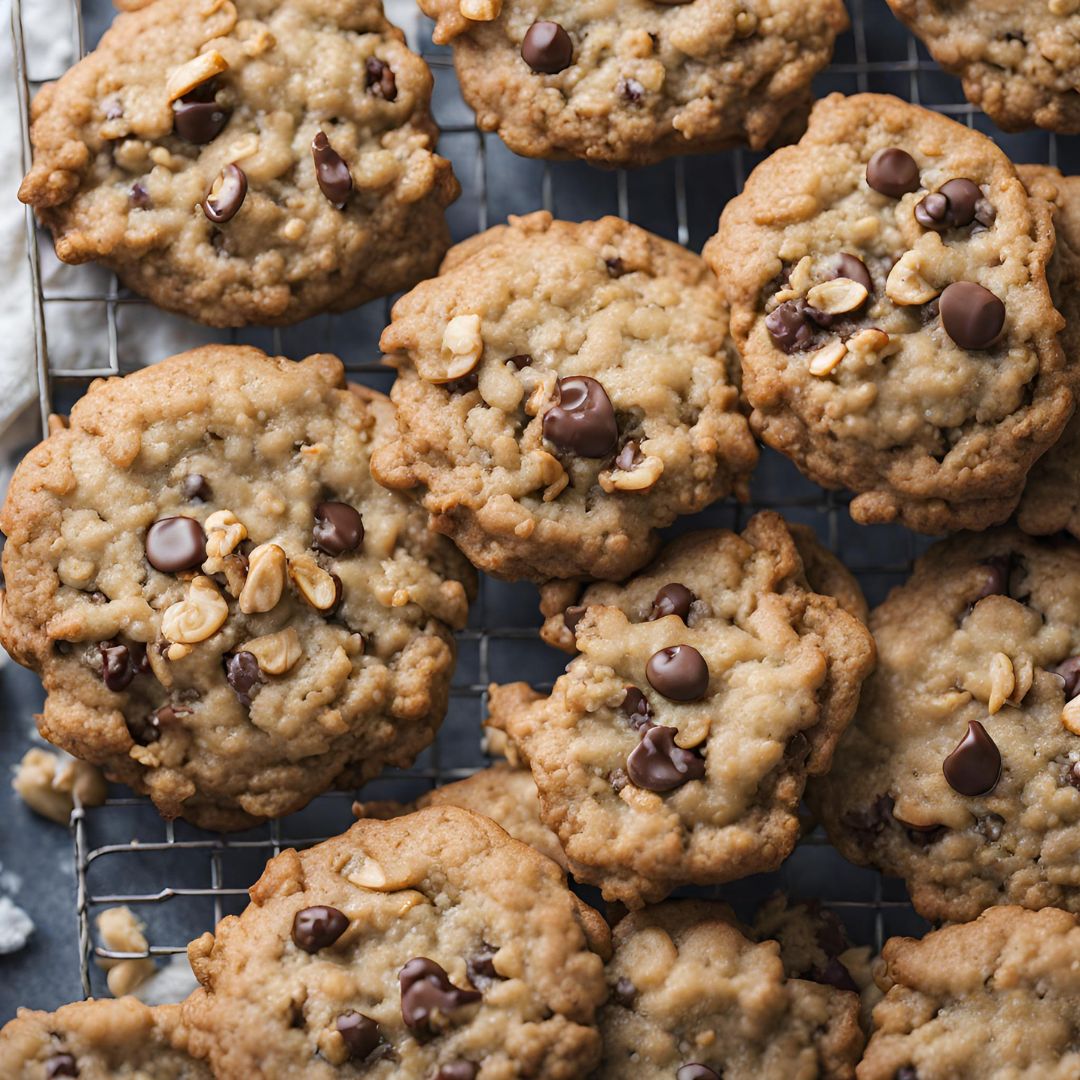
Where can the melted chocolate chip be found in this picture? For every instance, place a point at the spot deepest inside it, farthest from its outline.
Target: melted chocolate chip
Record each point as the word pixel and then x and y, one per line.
pixel 547 48
pixel 61 1065
pixel 360 1033
pixel 625 992
pixel 480 967
pixel 121 663
pixel 380 79
pixel 139 197
pixel 790 326
pixel 224 199
pixel 974 767
pixel 893 172
pixel 952 206
pixel 318 927
pixel 197 117
pixel 679 672
pixel 583 420
pixel 456 1070
pixel 635 707
pixel 854 269
pixel 1069 670
pixel 673 599
pixel 426 989
pixel 630 90
pixel 657 764
pixel 694 1071
pixel 243 675
pixel 145 730
pixel 331 172
pixel 174 544
pixel 338 528
pixel 196 488
pixel 971 315
pixel 572 616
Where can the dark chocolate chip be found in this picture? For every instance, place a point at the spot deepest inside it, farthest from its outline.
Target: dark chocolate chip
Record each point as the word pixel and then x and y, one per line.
pixel 974 767
pixel 243 675
pixel 331 172
pixel 673 599
pixel 834 974
pixel 426 989
pixel 951 206
pixel 338 528
pixel 999 569
pixel 1069 670
pixel 572 616
pixel 196 488
pixel 121 663
pixel 583 420
pixel 521 360
pixel 893 172
pixel 226 196
pixel 480 967
pixel 174 544
pixel 145 730
pixel 695 1071
pixel 679 672
pixel 789 326
pixel 547 48
pixel 872 819
pixel 631 90
pixel 625 992
pixel 360 1033
pixel 61 1065
pixel 139 197
pixel 380 79
pixel 615 266
pixel 932 211
pixel 657 764
pixel 318 927
pixel 629 456
pixel 972 316
pixel 465 385
pixel 991 826
pixel 456 1070
pixel 635 707
pixel 798 747
pixel 854 269
pixel 198 118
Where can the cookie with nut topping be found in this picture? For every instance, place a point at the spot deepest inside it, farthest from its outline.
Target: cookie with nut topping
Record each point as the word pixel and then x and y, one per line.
pixel 227 612
pixel 634 82
pixel 563 391
pixel 887 278
pixel 243 161
pixel 675 748
pixel 430 946
pixel 961 771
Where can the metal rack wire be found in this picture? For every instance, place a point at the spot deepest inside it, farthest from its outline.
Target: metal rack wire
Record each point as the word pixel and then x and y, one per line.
pixel 181 880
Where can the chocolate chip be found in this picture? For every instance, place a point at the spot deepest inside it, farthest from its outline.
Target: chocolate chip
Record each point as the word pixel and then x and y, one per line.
pixel 694 1071
pixel 893 172
pixel 338 528
pixel 145 730
pixel 360 1033
pixel 318 927
pixel 872 819
pixel 121 663
pixel 380 79
pixel 465 385
pixel 991 826
pixel 335 180
pixel 480 967
pixel 456 1070
pixel 139 197
pixel 196 488
pixel 972 316
pixel 673 599
pixel 197 117
pixel 630 90
pixel 999 570
pixel 572 616
pixel 1070 774
pixel 932 211
pixel 854 269
pixel 629 457
pixel 1069 670
pixel 222 204
pixel 834 974
pixel 174 544
pixel 547 48
pixel 798 747
pixel 243 675
pixel 61 1065
pixel 615 266
pixel 789 326
pixel 521 360
pixel 635 707
pixel 657 764
pixel 974 767
pixel 625 992
pixel 426 989
pixel 951 206
pixel 583 420
pixel 679 672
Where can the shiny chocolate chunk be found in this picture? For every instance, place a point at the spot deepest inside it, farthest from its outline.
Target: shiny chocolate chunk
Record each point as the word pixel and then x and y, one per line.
pixel 572 616
pixel 952 206
pixel 61 1065
pixel 331 172
pixel 338 528
pixel 318 927
pixel 635 707
pixel 1069 670
pixel 426 990
pixel 893 172
pixel 972 316
pixel 694 1071
pixel 380 79
pixel 456 1070
pixel 360 1033
pixel 631 91
pixel 547 48
pixel 243 675
pixel 974 767
pixel 673 599
pixel 679 672
pixel 834 974
pixel 657 764
pixel 465 385
pixel 196 488
pixel 174 544
pixel 224 199
pixel 197 117
pixel 854 269
pixel 120 663
pixel 145 730
pixel 790 326
pixel 480 967
pixel 583 420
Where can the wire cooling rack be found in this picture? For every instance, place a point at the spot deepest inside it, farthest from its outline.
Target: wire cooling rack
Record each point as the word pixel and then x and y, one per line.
pixel 180 880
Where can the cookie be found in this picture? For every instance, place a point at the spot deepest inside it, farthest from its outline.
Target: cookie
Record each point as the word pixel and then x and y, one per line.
pixel 634 82
pixel 245 161
pixel 1019 61
pixel 691 997
pixel 961 772
pixel 563 391
pixel 994 999
pixel 430 945
pixel 227 613
pixel 98 1040
pixel 676 747
pixel 887 278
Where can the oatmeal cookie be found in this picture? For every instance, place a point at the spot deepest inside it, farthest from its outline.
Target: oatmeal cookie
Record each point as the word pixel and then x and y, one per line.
pixel 1019 59
pixel 961 772
pixel 995 999
pixel 245 161
pixel 676 747
pixel 563 391
pixel 432 945
pixel 632 82
pixel 691 997
pixel 227 612
pixel 98 1040
pixel 887 279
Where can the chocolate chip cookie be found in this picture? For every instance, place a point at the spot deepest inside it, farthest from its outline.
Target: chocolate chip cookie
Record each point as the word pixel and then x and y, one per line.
pixel 692 998
pixel 634 82
pixel 563 391
pixel 429 946
pixel 226 611
pixel 961 772
pixel 676 747
pixel 245 161
pixel 887 278
pixel 1020 62
pixel 994 999
pixel 98 1040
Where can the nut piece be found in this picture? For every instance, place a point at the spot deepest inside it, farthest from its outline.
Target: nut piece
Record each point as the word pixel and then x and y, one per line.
pixel 837 296
pixel 462 340
pixel 265 580
pixel 869 341
pixel 197 617
pixel 552 475
pixel 1070 716
pixel 906 285
pixel 276 653
pixel 120 931
pixel 641 477
pixel 1002 681
pixel 1063 7
pixel 194 73
pixel 480 10
pixel 50 784
pixel 314 584
pixel 827 357
pixel 223 533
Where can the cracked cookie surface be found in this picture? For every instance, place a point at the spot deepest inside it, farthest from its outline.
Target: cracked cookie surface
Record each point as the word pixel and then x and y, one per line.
pixel 563 391
pixel 180 154
pixel 627 82
pixel 887 278
pixel 227 612
pixel 961 771
pixel 676 747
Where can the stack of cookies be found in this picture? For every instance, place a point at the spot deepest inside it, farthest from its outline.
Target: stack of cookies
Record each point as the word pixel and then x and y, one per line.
pixel 239 577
